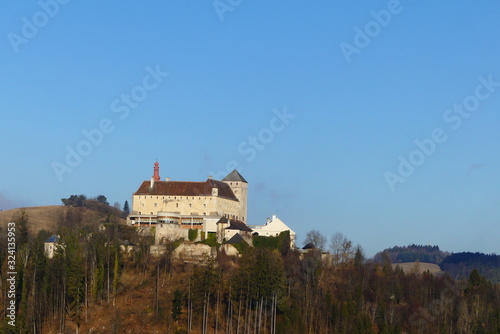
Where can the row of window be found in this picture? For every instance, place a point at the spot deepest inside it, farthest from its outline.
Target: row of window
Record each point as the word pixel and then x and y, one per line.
pixel 175 197
pixel 176 205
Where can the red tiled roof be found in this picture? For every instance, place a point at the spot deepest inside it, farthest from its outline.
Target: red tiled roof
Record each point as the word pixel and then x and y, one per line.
pixel 185 188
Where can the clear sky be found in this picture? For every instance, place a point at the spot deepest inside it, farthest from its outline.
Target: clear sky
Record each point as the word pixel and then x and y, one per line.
pixel 377 119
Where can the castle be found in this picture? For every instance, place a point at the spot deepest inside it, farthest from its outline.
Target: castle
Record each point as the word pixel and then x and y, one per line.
pixel 214 207
pixel 190 204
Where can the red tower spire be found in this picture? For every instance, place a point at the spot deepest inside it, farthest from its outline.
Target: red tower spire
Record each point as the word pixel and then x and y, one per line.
pixel 156 175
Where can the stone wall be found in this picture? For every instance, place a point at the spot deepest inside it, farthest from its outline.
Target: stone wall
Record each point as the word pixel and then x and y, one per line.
pixel 194 253
pixel 170 232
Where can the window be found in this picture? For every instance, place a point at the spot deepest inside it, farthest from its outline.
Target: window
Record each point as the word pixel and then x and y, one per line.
pixel 176 205
pixel 156 205
pixel 190 205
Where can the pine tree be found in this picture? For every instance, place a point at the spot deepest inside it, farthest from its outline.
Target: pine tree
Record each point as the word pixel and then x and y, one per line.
pixel 102 199
pixel 177 304
pixel 126 209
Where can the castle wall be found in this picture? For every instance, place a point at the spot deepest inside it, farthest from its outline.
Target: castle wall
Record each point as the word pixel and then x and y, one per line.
pixel 186 205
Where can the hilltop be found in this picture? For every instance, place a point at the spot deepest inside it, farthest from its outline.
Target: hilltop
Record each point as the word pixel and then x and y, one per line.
pixel 457 265
pixel 413 253
pixel 40 217
pixel 47 217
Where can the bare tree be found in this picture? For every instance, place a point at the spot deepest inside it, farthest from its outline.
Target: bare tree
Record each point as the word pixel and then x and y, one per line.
pixel 341 248
pixel 316 238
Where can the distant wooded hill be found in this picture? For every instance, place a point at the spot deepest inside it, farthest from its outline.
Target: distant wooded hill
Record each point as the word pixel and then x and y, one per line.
pixel 457 265
pixel 413 253
pixel 460 265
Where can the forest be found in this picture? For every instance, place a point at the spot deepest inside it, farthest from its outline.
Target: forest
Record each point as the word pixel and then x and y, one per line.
pixel 93 285
pixel 457 265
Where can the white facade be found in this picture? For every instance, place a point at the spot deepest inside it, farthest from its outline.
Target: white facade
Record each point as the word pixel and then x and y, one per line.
pixel 50 246
pixel 273 228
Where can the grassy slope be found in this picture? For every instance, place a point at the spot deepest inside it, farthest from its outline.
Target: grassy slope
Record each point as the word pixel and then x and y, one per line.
pixel 44 217
pixel 423 266
pixel 40 217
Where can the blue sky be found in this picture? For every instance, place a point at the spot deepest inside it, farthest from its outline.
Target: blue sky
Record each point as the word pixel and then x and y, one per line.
pixel 233 66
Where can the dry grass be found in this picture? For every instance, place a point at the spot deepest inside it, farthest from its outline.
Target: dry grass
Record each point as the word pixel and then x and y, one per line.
pixel 40 217
pixel 46 217
pixel 409 267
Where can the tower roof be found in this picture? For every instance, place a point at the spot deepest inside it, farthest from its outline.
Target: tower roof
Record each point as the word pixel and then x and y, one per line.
pixel 53 239
pixel 156 175
pixel 234 176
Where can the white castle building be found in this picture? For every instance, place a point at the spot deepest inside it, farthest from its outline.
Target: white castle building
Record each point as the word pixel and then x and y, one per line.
pixel 196 205
pixel 212 206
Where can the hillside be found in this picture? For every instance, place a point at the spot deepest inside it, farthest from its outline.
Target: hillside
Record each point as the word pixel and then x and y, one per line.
pixel 47 217
pixel 40 217
pixel 457 265
pixel 97 286
pixel 461 265
pixel 412 253
pixel 420 267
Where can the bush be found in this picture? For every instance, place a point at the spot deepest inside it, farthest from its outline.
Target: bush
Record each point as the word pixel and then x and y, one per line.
pixel 242 247
pixel 211 239
pixel 265 242
pixel 281 242
pixel 192 234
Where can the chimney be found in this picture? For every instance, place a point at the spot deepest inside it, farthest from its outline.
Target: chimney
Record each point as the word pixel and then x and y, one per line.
pixel 167 179
pixel 273 217
pixel 152 184
pixel 268 220
pixel 210 177
pixel 215 191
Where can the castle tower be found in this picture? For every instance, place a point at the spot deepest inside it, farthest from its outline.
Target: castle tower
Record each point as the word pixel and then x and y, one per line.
pixel 156 175
pixel 240 188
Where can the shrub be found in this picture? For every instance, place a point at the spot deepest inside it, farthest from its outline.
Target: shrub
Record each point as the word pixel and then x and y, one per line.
pixel 192 234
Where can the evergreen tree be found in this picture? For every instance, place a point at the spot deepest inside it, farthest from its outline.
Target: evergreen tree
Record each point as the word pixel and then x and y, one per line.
pixel 177 304
pixel 102 199
pixel 75 276
pixel 126 208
